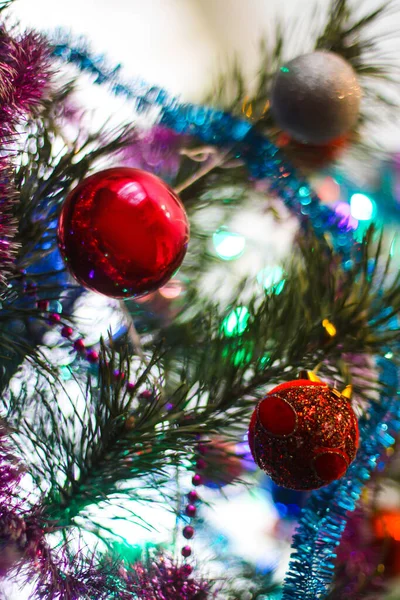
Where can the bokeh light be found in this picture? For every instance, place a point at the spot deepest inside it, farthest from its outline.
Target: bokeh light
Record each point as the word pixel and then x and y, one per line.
pixel 347 220
pixel 271 278
pixel 328 189
pixel 172 289
pixel 362 207
pixel 228 245
pixel 236 322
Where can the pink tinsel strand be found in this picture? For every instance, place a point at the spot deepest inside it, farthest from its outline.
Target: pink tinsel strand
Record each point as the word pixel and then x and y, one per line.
pixel 24 75
pixel 164 580
pixel 75 577
pixel 10 471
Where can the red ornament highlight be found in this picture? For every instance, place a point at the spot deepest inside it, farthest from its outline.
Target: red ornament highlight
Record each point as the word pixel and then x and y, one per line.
pixel 123 232
pixel 303 434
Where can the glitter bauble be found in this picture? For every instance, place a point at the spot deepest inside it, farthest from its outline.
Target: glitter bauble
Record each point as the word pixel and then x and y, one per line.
pixel 303 434
pixel 123 232
pixel 315 98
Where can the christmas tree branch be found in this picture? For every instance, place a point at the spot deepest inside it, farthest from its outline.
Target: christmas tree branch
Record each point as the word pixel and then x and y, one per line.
pixel 96 450
pixel 45 176
pixel 5 4
pixel 343 33
pixel 209 381
pixel 286 333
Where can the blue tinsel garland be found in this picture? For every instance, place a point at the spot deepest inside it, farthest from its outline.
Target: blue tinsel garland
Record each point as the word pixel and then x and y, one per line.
pixel 324 517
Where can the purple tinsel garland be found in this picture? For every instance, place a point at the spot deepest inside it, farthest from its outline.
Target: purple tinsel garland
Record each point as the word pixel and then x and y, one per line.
pixel 164 580
pixel 24 75
pixel 58 575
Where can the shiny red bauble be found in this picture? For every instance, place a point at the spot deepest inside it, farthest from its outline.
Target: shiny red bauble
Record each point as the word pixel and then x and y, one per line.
pixel 303 434
pixel 123 232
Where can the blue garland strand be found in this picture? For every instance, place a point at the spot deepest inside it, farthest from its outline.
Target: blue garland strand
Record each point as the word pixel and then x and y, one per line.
pixel 264 160
pixel 324 518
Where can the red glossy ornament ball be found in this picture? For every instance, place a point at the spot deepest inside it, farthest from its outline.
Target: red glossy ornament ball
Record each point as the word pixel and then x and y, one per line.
pixel 123 232
pixel 303 434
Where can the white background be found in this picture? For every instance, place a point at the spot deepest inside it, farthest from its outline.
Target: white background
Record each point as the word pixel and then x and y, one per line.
pixel 180 44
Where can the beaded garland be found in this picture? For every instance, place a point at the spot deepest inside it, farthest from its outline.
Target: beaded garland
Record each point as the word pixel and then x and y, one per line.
pixel 92 356
pixel 191 508
pixel 324 517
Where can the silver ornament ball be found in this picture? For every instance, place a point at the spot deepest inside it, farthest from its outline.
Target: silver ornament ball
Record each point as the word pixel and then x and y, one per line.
pixel 315 98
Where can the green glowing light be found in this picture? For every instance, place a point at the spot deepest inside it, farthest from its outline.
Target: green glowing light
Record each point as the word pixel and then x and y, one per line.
pixel 55 306
pixel 285 70
pixel 271 278
pixel 236 322
pixel 304 192
pixel 130 554
pixel 265 360
pixel 239 356
pixel 65 373
pixel 228 245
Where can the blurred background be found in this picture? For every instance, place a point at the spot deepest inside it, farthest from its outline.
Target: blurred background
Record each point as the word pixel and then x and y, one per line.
pixel 182 44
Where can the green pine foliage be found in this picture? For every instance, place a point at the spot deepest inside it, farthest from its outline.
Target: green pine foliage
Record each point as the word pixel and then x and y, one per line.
pixel 204 379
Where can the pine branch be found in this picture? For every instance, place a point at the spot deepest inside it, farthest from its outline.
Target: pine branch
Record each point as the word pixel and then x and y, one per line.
pixel 345 33
pixel 4 4
pixel 94 451
pixel 209 381
pixel 45 176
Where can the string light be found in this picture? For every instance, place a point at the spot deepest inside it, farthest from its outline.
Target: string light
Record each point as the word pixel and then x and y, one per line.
pixel 271 278
pixel 362 207
pixel 228 245
pixel 236 322
pixel 328 189
pixel 172 289
pixel 329 327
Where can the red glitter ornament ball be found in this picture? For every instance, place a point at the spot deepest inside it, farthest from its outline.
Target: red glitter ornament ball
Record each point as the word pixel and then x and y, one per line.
pixel 123 232
pixel 303 434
